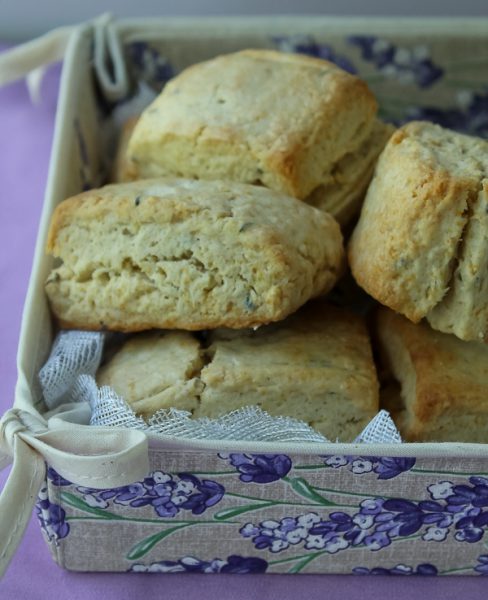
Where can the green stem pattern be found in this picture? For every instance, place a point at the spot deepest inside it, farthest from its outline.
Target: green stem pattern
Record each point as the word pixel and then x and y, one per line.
pixel 152 521
pixel 297 568
pixel 294 558
pixel 264 500
pixel 457 570
pixel 147 544
pixel 340 493
pixel 358 494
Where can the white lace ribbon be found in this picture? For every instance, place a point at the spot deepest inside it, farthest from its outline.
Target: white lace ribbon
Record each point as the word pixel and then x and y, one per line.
pixel 100 457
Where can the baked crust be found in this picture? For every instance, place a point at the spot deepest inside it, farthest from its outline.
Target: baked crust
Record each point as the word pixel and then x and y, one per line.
pixel 283 120
pixel 464 309
pixel 444 381
pixel 404 249
pixel 182 254
pixel 316 366
pixel 156 370
pixel 343 194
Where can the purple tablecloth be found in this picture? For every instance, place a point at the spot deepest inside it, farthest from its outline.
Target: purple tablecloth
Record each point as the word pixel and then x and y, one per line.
pixel 25 140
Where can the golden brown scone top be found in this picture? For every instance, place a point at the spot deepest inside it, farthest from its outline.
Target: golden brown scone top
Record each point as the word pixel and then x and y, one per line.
pixel 257 115
pixel 444 380
pixel 185 254
pixel 418 208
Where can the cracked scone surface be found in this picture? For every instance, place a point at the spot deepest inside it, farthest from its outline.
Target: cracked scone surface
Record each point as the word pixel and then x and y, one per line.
pixel 283 120
pixel 156 370
pixel 315 366
pixel 420 246
pixel 444 381
pixel 180 254
pixel 464 309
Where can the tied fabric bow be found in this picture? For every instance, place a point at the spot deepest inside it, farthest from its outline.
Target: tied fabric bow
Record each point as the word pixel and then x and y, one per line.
pixel 106 457
pixel 30 59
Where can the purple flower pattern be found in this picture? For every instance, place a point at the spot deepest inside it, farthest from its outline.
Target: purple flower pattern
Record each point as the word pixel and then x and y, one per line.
pixel 277 536
pixel 149 65
pixel 166 494
pixel 52 518
pixel 56 479
pixel 189 564
pixel 260 468
pixel 371 527
pixel 482 568
pixel 455 509
pixel 385 467
pixel 405 65
pixel 470 118
pixel 307 45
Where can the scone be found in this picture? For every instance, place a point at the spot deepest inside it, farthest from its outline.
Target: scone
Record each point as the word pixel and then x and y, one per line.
pixel 156 370
pixel 180 254
pixel 285 121
pixel 122 168
pixel 343 195
pixel 444 381
pixel 421 244
pixel 315 366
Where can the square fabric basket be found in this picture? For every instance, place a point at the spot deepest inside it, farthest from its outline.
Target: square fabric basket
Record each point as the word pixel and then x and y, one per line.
pixel 242 507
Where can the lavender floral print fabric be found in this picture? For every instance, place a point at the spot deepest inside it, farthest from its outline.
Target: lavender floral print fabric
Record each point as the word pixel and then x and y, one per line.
pixel 249 513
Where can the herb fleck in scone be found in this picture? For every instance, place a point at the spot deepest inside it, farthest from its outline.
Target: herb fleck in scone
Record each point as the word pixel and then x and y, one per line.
pixel 421 244
pixel 444 381
pixel 180 254
pixel 260 116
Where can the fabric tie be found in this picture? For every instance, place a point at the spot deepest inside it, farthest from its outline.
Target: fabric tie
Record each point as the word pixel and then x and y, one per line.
pixel 93 456
pixel 96 456
pixel 31 59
